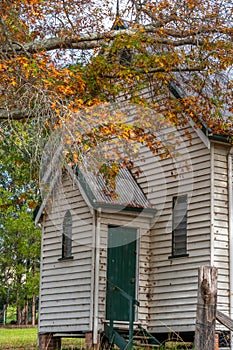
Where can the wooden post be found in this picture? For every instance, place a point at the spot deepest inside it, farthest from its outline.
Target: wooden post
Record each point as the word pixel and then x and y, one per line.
pixel 206 308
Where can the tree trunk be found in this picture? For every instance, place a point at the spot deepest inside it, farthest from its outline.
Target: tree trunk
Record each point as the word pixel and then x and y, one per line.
pixel 33 310
pixel 206 308
pixel 26 309
pixel 19 315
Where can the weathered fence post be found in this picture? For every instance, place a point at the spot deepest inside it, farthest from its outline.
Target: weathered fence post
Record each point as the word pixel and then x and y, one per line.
pixel 206 308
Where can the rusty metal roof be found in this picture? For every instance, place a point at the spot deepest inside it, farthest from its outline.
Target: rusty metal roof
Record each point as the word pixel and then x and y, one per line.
pixel 127 193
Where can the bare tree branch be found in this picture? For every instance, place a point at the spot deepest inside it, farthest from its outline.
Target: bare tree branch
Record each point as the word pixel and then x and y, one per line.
pixel 15 114
pixel 92 41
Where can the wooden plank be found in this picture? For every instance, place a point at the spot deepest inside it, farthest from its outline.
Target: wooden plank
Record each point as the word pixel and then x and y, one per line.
pixel 70 304
pixel 157 328
pixel 62 316
pixel 81 323
pixel 206 308
pixel 224 320
pixel 172 298
pixel 186 321
pixel 221 149
pixel 170 304
pixel 178 267
pixel 222 158
pixel 84 296
pixel 46 328
pixel 174 310
pixel 74 283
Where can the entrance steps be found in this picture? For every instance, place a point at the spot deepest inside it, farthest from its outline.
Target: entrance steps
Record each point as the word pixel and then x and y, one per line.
pixel 120 337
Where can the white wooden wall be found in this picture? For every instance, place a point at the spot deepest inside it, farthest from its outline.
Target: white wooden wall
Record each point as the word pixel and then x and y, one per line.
pixel 221 224
pixel 65 295
pixel 173 281
pixel 167 287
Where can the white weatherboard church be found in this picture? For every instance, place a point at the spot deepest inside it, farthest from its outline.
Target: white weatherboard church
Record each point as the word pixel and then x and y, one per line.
pixel 99 252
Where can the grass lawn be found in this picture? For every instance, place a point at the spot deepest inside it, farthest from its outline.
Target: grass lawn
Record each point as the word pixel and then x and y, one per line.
pixel 26 339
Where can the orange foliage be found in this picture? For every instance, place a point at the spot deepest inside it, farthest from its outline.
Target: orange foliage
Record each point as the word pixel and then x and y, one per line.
pixel 179 51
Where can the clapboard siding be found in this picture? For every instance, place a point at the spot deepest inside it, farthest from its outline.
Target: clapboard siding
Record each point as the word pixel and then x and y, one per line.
pixel 65 292
pixel 166 286
pixel 221 225
pixel 57 297
pixel 173 282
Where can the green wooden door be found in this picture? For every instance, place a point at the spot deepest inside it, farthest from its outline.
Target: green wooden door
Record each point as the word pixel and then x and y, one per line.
pixel 121 270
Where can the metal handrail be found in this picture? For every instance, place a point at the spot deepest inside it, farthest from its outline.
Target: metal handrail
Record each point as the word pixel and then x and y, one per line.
pixel 132 303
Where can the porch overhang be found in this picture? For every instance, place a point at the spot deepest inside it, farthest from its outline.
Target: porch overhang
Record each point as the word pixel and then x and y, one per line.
pixel 129 195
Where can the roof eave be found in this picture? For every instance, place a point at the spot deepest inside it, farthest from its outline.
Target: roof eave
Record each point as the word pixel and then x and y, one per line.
pixel 220 138
pixel 116 207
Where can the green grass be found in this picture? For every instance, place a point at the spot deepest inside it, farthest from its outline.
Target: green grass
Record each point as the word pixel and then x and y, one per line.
pixel 26 339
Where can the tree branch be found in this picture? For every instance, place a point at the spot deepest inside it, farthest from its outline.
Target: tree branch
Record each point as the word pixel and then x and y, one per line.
pixel 91 41
pixel 15 114
pixel 163 70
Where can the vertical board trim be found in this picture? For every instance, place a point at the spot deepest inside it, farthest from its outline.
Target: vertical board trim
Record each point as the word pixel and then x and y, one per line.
pixel 212 177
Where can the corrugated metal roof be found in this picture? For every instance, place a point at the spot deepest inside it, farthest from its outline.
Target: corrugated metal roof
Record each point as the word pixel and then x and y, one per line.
pixel 127 192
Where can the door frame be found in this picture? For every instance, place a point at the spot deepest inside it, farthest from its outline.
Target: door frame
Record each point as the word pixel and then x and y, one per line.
pixel 137 271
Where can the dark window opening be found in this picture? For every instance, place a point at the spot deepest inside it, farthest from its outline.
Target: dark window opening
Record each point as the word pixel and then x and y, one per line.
pixel 179 226
pixel 67 235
